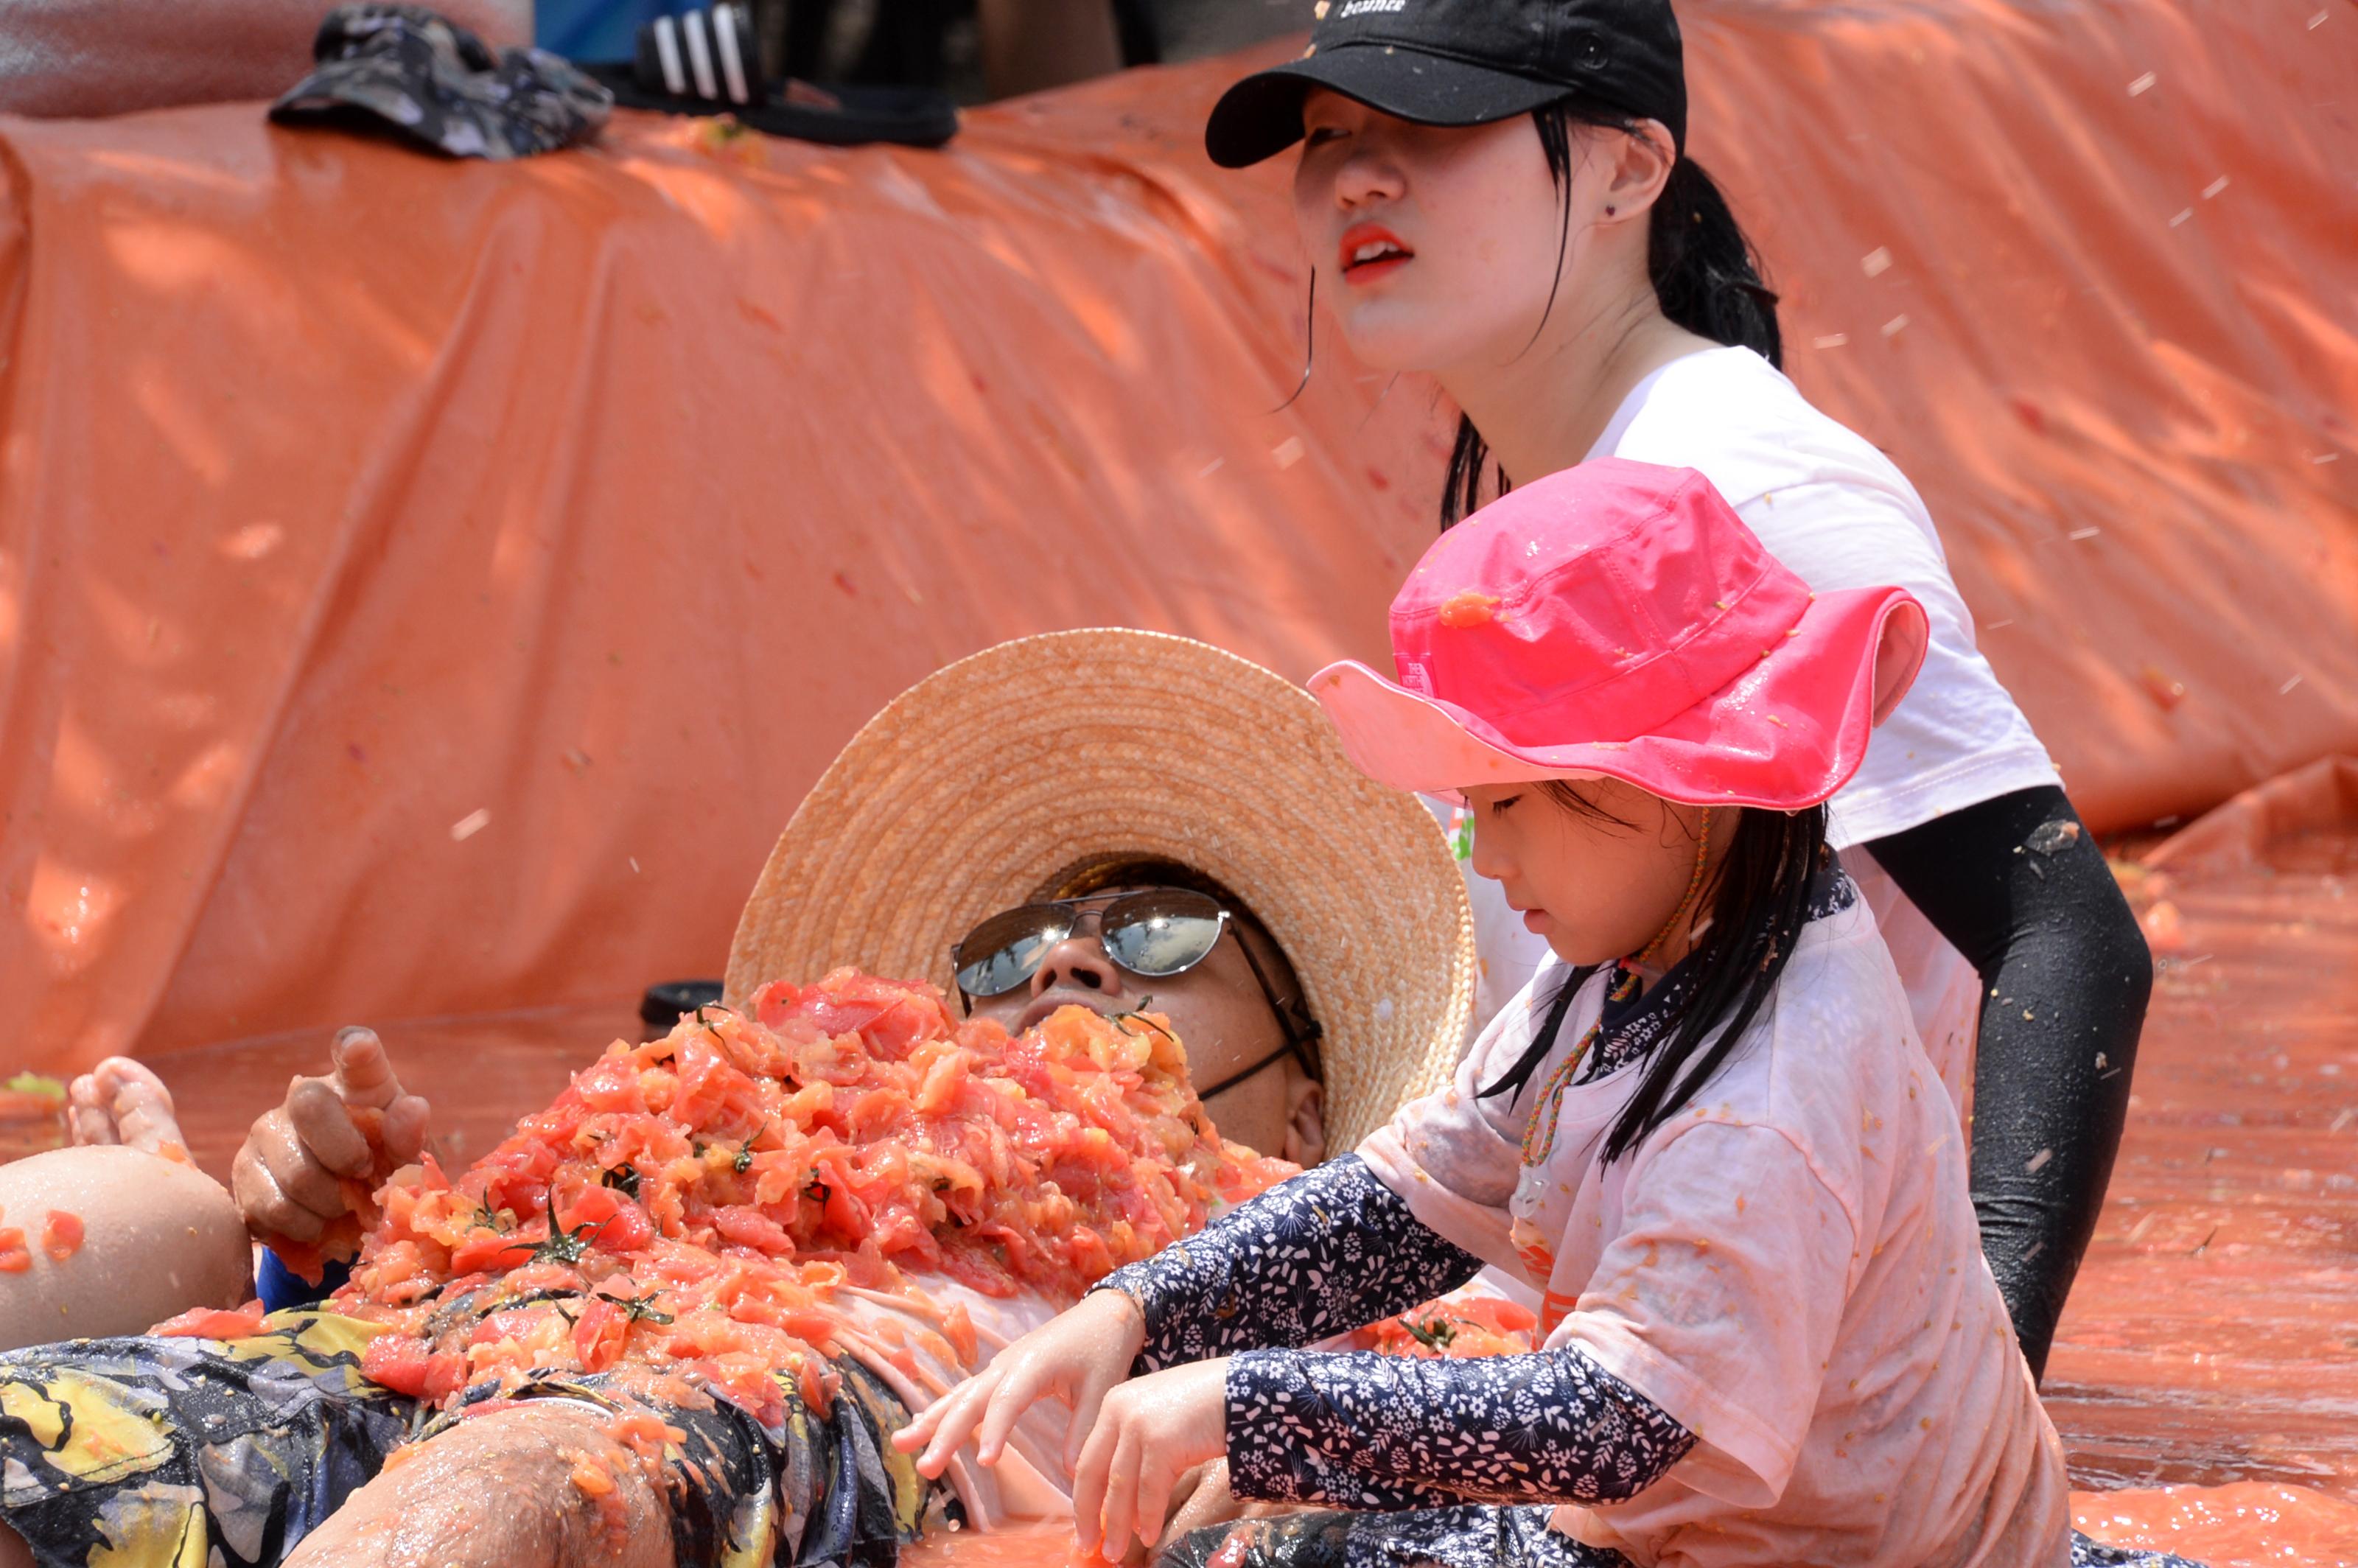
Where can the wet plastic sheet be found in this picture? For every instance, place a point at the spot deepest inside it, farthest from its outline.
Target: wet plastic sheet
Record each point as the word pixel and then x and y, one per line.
pixel 2208 1346
pixel 2310 815
pixel 425 587
pixel 2244 1526
pixel 2206 1361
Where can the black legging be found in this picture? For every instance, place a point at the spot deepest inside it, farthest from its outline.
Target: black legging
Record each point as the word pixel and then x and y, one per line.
pixel 2022 891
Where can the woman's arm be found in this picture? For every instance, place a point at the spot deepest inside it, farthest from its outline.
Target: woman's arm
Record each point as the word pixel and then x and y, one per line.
pixel 1331 1250
pixel 1381 1432
pixel 2019 887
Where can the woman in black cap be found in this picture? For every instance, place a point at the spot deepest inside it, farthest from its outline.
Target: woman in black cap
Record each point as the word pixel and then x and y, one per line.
pixel 1498 192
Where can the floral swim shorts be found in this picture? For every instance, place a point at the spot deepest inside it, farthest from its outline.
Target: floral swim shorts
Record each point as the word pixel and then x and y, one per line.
pixel 156 1452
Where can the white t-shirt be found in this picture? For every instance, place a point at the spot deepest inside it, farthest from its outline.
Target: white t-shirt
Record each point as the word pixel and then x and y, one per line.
pixel 1790 1269
pixel 907 1340
pixel 1839 515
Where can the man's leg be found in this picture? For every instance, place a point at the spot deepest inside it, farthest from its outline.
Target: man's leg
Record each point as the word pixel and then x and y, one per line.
pixel 538 1485
pixel 157 1236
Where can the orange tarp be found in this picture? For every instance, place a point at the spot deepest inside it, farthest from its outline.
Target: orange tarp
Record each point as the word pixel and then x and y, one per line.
pixel 427 587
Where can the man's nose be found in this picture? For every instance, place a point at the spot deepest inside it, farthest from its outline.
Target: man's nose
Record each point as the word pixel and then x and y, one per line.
pixel 1078 963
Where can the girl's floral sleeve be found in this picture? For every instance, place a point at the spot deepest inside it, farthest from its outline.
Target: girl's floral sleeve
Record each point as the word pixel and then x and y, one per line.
pixel 1329 1252
pixel 1381 1432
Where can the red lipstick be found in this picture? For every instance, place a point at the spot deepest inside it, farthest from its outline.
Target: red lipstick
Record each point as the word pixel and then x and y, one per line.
pixel 1370 251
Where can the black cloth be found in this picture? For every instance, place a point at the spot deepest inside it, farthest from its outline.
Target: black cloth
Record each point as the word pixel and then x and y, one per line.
pixel 2020 888
pixel 1368 1430
pixel 1472 1536
pixel 405 70
pixel 856 116
pixel 1331 1250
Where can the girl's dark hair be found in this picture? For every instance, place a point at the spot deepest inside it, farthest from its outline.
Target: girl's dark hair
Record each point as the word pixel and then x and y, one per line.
pixel 1706 275
pixel 1759 900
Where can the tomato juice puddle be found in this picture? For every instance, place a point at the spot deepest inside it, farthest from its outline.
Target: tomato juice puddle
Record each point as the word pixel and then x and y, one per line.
pixel 2202 1375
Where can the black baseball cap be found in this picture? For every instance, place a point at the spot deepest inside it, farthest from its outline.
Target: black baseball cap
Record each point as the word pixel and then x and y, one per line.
pixel 1463 62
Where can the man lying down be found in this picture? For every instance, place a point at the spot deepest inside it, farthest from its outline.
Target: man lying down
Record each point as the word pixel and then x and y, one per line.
pixel 675 1318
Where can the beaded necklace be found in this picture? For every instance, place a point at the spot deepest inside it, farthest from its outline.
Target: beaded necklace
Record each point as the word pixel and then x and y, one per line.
pixel 1538 1133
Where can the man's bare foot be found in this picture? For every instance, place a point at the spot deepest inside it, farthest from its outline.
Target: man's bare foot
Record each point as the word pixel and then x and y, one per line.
pixel 119 1101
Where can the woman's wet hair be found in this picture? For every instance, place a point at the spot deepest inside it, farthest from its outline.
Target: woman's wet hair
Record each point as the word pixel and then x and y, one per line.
pixel 1707 276
pixel 1759 900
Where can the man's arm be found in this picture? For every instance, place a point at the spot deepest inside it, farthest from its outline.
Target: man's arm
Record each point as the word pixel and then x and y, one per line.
pixel 79 59
pixel 539 1484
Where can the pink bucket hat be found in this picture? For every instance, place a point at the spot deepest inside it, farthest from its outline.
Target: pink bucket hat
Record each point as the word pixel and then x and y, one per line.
pixel 1617 620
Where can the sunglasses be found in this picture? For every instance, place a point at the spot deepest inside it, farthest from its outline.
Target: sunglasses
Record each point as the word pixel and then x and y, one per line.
pixel 1155 932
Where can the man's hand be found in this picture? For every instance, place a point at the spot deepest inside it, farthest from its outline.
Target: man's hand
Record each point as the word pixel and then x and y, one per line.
pixel 289 1177
pixel 1152 1432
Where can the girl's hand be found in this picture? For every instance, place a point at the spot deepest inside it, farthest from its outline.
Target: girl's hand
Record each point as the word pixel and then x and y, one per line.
pixel 1202 1498
pixel 1078 1355
pixel 1153 1431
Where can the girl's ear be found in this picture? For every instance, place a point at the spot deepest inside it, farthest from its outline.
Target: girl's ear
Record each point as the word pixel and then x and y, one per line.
pixel 1898 656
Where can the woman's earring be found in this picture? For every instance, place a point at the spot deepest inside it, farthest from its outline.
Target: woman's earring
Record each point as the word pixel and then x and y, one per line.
pixel 1610 209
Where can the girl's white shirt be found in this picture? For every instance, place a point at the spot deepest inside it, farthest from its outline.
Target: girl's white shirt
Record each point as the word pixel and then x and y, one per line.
pixel 1790 1268
pixel 1838 515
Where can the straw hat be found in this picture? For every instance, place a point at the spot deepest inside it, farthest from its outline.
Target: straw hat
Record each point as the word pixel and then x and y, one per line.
pixel 992 782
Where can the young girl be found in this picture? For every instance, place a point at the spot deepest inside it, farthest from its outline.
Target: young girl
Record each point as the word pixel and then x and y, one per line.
pixel 1706 1132
pixel 1497 193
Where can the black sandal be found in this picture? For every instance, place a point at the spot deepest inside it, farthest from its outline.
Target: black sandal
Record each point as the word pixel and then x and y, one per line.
pixel 706 62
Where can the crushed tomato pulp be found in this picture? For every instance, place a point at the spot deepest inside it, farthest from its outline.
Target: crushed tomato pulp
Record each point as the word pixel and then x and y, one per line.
pixel 694 1205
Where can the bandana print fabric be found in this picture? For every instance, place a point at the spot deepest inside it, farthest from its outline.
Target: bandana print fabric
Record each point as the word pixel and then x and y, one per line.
pixel 2087 1553
pixel 1467 1537
pixel 1331 1250
pixel 1371 1431
pixel 405 69
pixel 1629 1030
